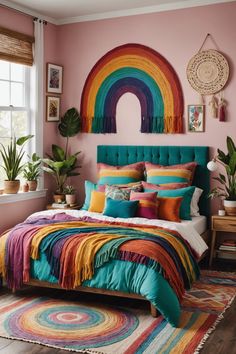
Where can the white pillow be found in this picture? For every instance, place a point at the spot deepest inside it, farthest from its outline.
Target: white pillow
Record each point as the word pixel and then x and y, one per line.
pixel 194 208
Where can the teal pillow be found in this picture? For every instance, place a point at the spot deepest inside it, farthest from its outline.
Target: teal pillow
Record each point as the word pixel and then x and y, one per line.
pixel 186 193
pixel 120 208
pixel 89 187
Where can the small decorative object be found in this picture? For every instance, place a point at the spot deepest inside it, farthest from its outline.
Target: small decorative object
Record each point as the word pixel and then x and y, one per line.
pixel 12 157
pixel 196 118
pixel 221 212
pixel 227 190
pixel 222 110
pixel 25 188
pixel 214 107
pixel 142 71
pixel 54 78
pixel 69 192
pixel 32 171
pixel 53 109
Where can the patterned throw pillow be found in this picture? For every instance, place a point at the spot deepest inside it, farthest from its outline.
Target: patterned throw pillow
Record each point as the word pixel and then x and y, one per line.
pixel 182 173
pixel 120 208
pixel 97 202
pixel 169 208
pixel 108 174
pixel 117 193
pixel 147 204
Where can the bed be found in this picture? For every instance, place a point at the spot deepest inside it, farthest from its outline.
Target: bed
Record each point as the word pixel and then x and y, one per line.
pixel 136 277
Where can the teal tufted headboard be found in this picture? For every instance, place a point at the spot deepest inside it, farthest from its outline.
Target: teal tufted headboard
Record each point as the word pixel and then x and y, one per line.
pixel 165 155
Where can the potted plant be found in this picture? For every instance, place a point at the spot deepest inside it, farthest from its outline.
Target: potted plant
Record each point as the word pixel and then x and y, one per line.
pixel 70 195
pixel 60 164
pixel 32 171
pixel 12 156
pixel 227 188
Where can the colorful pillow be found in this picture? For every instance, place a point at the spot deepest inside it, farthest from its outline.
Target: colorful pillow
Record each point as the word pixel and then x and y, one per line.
pixel 108 174
pixel 186 194
pixel 97 202
pixel 89 187
pixel 117 193
pixel 120 208
pixel 169 208
pixel 194 207
pixel 147 207
pixel 182 173
pixel 150 187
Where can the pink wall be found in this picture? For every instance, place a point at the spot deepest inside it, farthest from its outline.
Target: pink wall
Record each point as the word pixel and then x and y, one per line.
pixel 177 35
pixel 11 213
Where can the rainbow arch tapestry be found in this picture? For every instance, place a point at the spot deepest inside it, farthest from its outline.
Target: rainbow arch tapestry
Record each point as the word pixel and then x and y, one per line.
pixel 142 71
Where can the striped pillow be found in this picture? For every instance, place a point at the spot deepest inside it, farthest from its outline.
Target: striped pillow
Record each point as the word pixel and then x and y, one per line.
pixel 182 173
pixel 151 187
pixel 147 207
pixel 108 174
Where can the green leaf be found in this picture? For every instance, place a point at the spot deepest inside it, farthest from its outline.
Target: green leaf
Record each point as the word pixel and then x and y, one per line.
pixel 232 163
pixel 23 139
pixel 58 153
pixel 230 146
pixel 70 123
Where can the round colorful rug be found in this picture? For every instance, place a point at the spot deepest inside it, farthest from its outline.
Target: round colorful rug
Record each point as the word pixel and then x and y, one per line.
pixel 69 324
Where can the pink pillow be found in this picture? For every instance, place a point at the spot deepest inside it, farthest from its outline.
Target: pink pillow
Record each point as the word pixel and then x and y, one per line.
pixel 108 174
pixel 147 204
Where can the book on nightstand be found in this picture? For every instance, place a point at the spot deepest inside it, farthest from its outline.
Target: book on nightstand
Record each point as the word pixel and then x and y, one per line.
pixel 60 205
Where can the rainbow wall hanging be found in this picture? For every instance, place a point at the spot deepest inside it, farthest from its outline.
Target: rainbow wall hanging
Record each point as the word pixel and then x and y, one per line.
pixel 142 71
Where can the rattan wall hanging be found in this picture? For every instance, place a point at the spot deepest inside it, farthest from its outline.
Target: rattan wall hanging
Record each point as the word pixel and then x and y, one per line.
pixel 142 71
pixel 208 73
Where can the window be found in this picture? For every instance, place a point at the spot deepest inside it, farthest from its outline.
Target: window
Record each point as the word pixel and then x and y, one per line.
pixel 14 104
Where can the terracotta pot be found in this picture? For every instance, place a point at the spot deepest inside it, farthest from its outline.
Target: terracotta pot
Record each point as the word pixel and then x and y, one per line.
pixel 230 207
pixel 25 188
pixel 11 187
pixel 71 199
pixel 32 185
pixel 58 198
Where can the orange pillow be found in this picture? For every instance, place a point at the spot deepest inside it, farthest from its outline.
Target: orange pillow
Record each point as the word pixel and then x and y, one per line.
pixel 168 208
pixel 97 202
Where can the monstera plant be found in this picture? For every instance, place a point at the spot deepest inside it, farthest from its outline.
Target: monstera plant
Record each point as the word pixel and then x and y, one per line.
pixel 60 164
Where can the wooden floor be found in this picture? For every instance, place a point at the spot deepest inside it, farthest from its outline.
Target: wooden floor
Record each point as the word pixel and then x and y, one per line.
pixel 221 341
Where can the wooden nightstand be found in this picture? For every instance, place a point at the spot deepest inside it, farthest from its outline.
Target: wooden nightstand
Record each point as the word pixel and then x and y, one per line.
pixel 49 206
pixel 221 223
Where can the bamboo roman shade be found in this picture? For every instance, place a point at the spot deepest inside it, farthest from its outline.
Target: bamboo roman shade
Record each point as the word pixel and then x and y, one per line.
pixel 16 47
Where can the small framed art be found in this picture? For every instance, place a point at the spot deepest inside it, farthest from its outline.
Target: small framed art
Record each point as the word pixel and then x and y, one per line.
pixel 54 78
pixel 53 109
pixel 196 118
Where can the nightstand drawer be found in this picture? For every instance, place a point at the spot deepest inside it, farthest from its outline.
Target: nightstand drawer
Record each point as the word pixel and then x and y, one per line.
pixel 224 224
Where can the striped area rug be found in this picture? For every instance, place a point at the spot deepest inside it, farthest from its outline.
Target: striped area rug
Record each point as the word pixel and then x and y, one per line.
pixel 86 328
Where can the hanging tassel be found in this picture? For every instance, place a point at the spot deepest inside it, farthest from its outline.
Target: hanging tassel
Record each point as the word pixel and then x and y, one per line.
pixel 214 107
pixel 222 110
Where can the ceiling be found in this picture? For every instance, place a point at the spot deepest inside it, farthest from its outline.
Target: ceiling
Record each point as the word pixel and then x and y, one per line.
pixel 68 11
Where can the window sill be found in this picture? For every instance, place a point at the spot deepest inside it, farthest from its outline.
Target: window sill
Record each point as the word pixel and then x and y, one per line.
pixel 21 196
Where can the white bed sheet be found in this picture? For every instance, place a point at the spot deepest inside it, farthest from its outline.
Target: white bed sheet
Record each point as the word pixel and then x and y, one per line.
pixel 198 222
pixel 186 228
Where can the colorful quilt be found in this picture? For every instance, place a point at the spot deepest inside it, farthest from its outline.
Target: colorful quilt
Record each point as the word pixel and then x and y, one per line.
pixel 91 252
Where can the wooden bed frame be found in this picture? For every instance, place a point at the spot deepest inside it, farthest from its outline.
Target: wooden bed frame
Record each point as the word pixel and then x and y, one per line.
pixel 165 155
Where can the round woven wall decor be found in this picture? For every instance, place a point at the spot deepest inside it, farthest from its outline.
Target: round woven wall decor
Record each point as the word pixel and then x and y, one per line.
pixel 208 72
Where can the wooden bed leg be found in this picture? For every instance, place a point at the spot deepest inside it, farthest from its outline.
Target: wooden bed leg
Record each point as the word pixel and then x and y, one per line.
pixel 154 311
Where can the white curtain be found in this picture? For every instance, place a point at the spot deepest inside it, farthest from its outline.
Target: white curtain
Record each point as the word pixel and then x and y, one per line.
pixel 38 87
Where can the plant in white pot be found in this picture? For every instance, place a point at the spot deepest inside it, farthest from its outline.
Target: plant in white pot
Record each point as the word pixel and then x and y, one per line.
pixel 32 171
pixel 227 188
pixel 70 195
pixel 12 157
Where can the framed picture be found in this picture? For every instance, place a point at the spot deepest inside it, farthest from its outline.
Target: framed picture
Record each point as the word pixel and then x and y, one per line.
pixel 196 118
pixel 54 78
pixel 53 109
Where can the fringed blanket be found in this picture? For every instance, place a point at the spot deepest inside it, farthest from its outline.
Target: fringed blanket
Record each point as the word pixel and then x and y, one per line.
pixel 75 247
